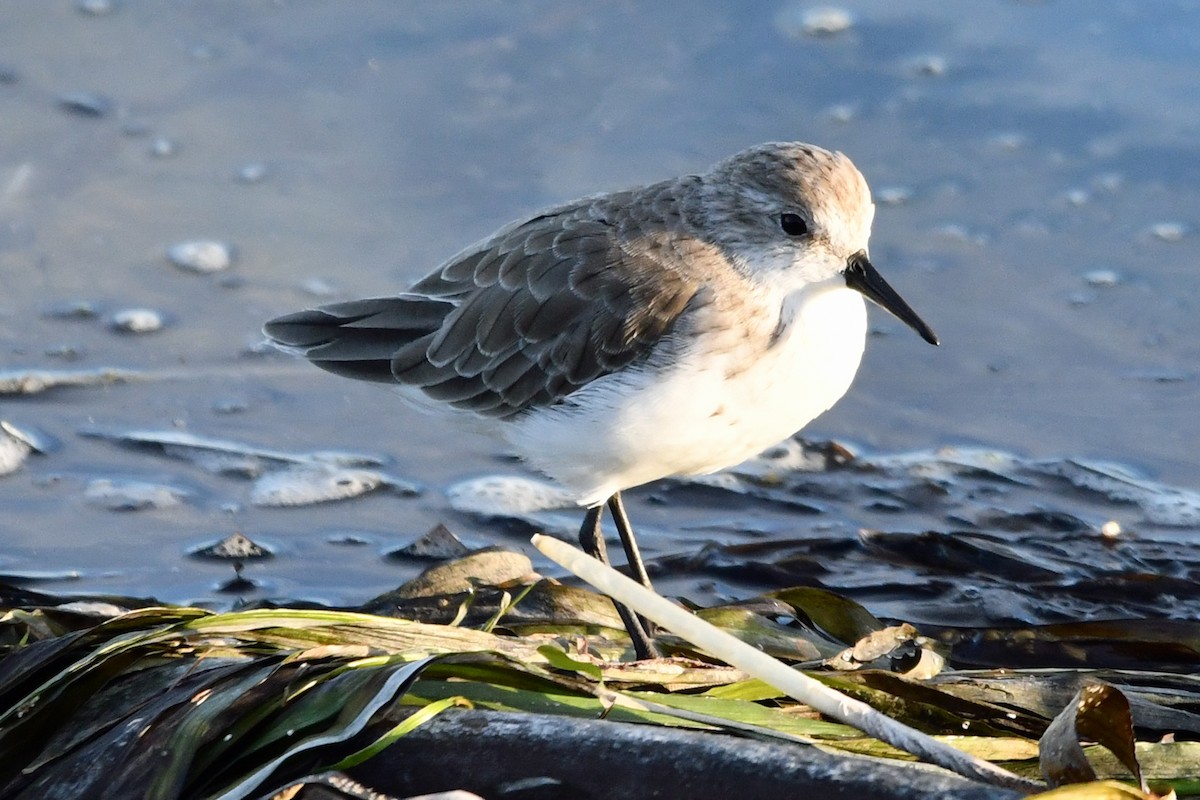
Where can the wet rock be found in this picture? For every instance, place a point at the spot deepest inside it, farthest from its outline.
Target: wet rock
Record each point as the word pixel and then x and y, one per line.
pixel 132 495
pixel 1009 141
pixel 318 287
pixel 438 544
pixel 96 609
pixel 136 320
pixel 37 381
pixel 253 172
pixel 224 457
pixel 893 195
pixel 35 438
pixel 955 232
pixel 796 21
pixel 843 113
pixel 162 147
pixel 85 104
pixel 1168 231
pixel 507 496
pixel 349 540
pixel 927 66
pixel 72 309
pixel 488 567
pixel 238 549
pixel 313 483
pixel 1163 375
pixel 95 8
pixel 235 547
pixel 202 255
pixel 1102 277
pixel 230 405
pixel 65 352
pixel 1077 197
pixel 13 452
pixel 216 456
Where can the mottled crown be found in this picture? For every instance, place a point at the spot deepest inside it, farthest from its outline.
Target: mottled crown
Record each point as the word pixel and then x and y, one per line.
pixel 746 192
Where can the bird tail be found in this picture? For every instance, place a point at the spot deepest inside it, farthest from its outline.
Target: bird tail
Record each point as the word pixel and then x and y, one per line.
pixel 358 339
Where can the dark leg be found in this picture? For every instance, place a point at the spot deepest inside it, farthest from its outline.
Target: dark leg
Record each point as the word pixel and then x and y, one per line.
pixel 591 539
pixel 633 555
pixel 625 530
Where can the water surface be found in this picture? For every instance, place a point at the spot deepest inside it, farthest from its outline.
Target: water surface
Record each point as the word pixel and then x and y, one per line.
pixel 1039 162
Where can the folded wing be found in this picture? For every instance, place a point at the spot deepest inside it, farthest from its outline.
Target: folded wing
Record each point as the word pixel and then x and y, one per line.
pixel 519 321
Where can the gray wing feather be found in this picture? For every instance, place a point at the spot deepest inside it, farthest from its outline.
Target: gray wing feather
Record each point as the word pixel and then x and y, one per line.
pixel 358 339
pixel 519 321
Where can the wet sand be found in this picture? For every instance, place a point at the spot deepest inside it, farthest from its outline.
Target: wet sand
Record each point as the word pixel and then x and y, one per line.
pixel 1036 169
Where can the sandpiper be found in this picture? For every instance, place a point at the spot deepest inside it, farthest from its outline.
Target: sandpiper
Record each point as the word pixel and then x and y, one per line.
pixel 672 329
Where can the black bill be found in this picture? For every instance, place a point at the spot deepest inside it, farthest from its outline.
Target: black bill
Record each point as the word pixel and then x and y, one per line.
pixel 862 276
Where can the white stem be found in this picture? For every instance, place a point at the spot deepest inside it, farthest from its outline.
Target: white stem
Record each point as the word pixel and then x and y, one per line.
pixel 795 684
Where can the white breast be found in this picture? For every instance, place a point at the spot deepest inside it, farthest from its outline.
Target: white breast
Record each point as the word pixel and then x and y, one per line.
pixel 742 386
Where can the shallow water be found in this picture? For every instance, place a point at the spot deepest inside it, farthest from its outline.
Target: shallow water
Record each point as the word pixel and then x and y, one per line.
pixel 1039 160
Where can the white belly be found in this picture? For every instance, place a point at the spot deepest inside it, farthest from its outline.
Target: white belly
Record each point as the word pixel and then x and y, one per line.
pixel 713 409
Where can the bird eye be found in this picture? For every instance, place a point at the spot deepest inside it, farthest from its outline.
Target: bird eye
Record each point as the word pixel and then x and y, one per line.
pixel 793 224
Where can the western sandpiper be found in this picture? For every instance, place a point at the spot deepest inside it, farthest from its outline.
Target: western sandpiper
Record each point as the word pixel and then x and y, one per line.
pixel 672 329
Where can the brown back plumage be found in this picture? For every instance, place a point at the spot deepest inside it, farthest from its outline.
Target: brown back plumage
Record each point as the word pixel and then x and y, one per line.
pixel 520 320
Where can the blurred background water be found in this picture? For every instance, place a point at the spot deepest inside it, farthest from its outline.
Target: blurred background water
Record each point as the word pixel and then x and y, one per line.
pixel 1036 167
